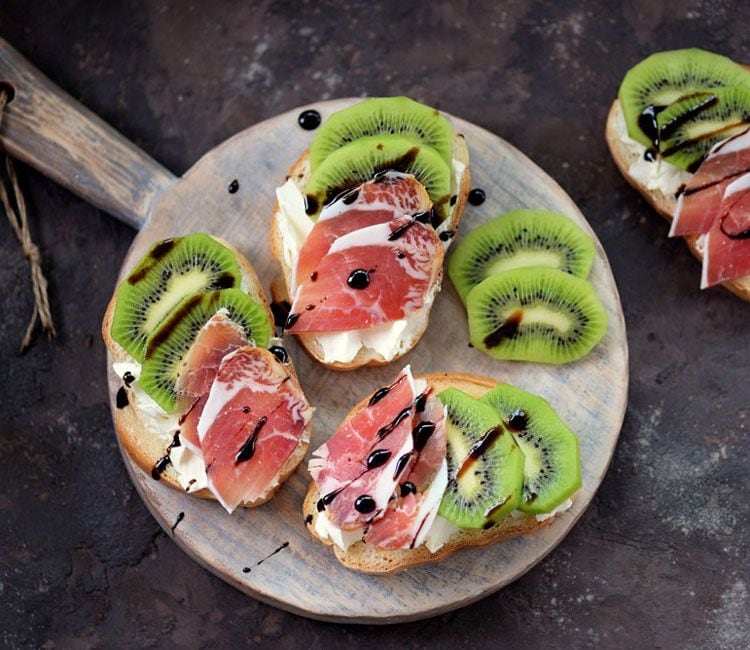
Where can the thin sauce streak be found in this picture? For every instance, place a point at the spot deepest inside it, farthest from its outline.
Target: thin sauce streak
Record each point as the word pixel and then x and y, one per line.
pixel 388 428
pixel 478 450
pixel 247 569
pixel 506 330
pixel 248 449
pixel 180 517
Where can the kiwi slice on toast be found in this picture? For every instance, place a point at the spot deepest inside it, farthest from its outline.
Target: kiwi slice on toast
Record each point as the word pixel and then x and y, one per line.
pixel 664 77
pixel 360 161
pixel 535 314
pixel 485 465
pixel 518 239
pixel 552 459
pixel 691 126
pixel 171 270
pixel 170 342
pixel 379 116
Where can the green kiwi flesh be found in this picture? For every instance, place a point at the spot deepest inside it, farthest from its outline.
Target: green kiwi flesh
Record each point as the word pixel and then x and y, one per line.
pixel 691 126
pixel 171 270
pixel 552 459
pixel 421 124
pixel 171 341
pixel 485 465
pixel 665 77
pixel 518 239
pixel 535 314
pixel 360 161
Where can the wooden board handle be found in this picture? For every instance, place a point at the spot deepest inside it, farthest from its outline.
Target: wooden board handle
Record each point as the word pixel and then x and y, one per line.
pixel 47 129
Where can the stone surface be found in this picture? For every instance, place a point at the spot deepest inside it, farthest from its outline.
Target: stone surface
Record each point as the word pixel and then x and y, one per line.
pixel 661 557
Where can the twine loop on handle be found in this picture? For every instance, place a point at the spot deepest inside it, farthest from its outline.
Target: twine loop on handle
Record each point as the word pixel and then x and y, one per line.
pixel 19 221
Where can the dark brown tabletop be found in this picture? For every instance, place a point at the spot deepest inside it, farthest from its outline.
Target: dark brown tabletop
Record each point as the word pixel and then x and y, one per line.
pixel 660 559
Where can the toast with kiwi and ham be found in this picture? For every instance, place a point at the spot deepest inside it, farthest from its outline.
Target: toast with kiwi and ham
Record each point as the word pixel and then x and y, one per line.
pixel 432 464
pixel 678 134
pixel 208 400
pixel 360 228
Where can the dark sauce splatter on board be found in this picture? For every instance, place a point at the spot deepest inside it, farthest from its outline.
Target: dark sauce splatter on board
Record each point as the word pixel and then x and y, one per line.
pixel 309 119
pixel 247 569
pixel 180 517
pixel 476 196
pixel 506 330
pixel 233 186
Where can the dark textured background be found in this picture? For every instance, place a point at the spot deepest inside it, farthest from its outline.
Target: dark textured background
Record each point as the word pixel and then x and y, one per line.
pixel 660 558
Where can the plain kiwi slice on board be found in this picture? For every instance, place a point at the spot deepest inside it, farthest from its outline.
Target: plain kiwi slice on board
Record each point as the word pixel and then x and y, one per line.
pixel 535 314
pixel 552 459
pixel 664 77
pixel 171 270
pixel 485 465
pixel 360 161
pixel 380 116
pixel 518 239
pixel 171 341
pixel 690 127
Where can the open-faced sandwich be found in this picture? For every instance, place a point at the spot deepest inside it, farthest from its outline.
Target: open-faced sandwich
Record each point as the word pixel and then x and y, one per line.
pixel 209 401
pixel 360 228
pixel 679 135
pixel 432 464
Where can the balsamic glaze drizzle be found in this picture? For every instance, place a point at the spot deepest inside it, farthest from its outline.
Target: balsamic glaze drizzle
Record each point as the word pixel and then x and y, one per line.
pixel 309 120
pixel 476 197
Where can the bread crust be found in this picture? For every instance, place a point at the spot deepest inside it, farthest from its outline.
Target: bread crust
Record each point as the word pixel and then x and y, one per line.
pixel 665 205
pixel 366 558
pixel 132 425
pixel 300 173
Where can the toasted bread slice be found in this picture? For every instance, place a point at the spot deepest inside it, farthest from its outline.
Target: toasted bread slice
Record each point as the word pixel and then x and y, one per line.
pixel 300 173
pixel 366 558
pixel 135 427
pixel 664 204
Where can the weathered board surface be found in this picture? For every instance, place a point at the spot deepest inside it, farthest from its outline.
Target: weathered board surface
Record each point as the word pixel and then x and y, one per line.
pixel 304 577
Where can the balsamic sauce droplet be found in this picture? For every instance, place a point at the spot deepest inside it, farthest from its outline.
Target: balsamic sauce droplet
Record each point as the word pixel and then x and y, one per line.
pixel 359 279
pixel 293 318
pixel 401 464
pixel 309 120
pixel 649 155
pixel 453 200
pixel 308 520
pixel 364 504
pixel 327 499
pixel 121 399
pixel 248 449
pixel 388 428
pixel 421 402
pixel 379 394
pixel 407 488
pixel 447 234
pixel 311 204
pixel 233 186
pixel 518 421
pixel 160 467
pixel 313 276
pixel 378 458
pixel 506 330
pixel 180 517
pixel 280 311
pixel 280 353
pixel 421 434
pixel 128 378
pixel 476 196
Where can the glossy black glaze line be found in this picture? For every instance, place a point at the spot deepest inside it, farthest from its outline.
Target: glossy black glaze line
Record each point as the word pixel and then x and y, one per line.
pixel 401 464
pixel 364 504
pixel 396 234
pixel 359 279
pixel 248 449
pixel 506 330
pixel 378 458
pixel 379 394
pixel 309 119
pixel 421 402
pixel 388 428
pixel 233 186
pixel 421 434
pixel 650 155
pixel 407 488
pixel 160 466
pixel 423 217
pixel 121 399
pixel 280 311
pixel 477 196
pixel 518 421
pixel 327 500
pixel 350 197
pixel 447 234
pixel 311 204
pixel 668 129
pixel 280 353
pixel 478 449
pixel 180 517
pixel 293 318
pixel 247 569
pixel 647 123
pixel 128 378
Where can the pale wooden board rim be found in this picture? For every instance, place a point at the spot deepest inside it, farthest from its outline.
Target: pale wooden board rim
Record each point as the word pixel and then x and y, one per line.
pixel 282 514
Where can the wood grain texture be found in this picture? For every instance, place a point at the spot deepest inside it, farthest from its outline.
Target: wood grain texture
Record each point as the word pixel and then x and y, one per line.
pixel 47 129
pixel 305 578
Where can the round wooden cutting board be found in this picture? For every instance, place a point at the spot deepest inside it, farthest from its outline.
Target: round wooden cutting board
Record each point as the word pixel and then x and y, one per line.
pixel 304 576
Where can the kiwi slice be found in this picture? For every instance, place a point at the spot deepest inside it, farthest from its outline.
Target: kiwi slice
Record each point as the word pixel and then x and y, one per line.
pixel 663 78
pixel 518 239
pixel 535 314
pixel 171 270
pixel 552 460
pixel 170 342
pixel 485 465
pixel 691 126
pixel 421 124
pixel 360 161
